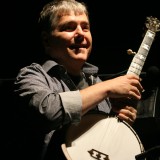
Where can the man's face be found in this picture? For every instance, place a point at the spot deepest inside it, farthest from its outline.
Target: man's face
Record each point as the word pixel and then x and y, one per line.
pixel 71 40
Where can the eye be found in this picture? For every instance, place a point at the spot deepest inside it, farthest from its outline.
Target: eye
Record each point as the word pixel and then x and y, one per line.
pixel 68 27
pixel 85 27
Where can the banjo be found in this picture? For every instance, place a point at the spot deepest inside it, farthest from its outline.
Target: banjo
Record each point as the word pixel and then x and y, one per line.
pixel 104 137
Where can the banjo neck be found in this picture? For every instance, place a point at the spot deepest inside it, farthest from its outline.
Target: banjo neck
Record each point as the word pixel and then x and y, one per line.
pixel 153 25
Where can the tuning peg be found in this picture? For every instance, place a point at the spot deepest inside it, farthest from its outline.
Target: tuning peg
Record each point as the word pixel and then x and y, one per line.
pixel 130 52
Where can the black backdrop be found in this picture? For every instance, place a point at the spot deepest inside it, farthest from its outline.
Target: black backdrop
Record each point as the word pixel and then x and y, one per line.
pixel 115 26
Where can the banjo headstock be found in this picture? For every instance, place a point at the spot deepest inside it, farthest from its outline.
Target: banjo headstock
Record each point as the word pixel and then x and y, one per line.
pixel 153 24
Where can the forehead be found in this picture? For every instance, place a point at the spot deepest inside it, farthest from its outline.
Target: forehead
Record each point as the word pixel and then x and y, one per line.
pixel 73 17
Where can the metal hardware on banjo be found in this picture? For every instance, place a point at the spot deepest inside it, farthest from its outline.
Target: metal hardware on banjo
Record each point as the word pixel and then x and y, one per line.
pixel 103 137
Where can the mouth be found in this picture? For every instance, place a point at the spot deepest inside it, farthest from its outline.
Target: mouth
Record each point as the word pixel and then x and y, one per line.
pixel 78 46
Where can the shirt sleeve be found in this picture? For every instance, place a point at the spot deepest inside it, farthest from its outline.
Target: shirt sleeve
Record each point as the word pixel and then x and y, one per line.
pixel 69 101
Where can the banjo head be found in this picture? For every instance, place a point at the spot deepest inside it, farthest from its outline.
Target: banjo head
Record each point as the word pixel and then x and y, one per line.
pixel 101 137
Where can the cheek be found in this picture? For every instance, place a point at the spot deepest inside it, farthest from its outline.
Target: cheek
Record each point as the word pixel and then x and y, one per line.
pixel 90 45
pixel 63 40
pixel 57 41
pixel 89 39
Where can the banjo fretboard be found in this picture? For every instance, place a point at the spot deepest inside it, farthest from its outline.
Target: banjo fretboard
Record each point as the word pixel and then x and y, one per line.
pixel 153 25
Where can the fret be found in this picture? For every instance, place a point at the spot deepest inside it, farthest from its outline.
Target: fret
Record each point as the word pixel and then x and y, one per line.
pixel 136 66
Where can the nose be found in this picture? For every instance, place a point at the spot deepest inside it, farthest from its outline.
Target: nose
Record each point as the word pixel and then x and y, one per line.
pixel 79 36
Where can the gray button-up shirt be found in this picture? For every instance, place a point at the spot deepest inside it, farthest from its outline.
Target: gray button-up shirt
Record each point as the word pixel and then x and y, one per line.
pixel 48 99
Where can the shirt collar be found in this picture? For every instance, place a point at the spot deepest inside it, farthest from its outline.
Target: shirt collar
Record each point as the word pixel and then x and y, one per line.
pixel 88 68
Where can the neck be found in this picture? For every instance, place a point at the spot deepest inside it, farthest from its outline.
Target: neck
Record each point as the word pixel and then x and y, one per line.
pixel 73 69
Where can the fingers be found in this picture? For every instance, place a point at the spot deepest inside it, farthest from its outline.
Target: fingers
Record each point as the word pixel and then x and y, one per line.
pixel 128 114
pixel 135 87
pixel 134 94
pixel 135 81
pixel 137 84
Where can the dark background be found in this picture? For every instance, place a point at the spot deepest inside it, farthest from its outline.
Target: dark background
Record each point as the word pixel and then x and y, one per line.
pixel 115 26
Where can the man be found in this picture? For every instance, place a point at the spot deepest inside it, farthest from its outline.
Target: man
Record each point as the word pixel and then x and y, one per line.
pixel 65 87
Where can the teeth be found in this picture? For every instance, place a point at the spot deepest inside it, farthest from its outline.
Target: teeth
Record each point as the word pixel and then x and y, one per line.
pixel 75 47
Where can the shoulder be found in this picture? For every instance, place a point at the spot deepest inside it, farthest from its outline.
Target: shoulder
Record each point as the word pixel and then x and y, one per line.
pixel 32 68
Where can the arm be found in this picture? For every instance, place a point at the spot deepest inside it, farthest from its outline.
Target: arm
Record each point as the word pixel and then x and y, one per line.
pixel 125 87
